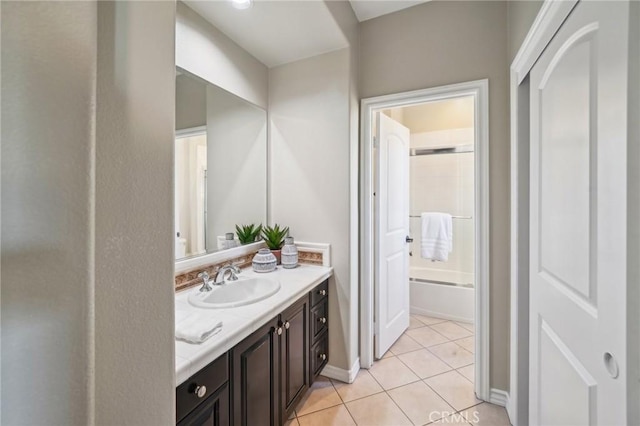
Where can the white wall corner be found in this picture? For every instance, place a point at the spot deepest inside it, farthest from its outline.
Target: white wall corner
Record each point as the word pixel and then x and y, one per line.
pixel 346 376
pixel 499 397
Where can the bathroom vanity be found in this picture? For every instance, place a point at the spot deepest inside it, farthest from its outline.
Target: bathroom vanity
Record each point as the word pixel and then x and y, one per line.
pixel 258 368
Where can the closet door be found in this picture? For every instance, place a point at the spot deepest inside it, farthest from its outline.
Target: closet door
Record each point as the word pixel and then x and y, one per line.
pixel 578 221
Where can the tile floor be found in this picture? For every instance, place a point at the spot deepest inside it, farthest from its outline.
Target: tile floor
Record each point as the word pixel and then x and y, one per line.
pixel 425 378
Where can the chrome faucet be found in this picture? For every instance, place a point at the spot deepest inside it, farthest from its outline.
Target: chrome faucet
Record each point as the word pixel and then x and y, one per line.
pixel 206 282
pixel 231 269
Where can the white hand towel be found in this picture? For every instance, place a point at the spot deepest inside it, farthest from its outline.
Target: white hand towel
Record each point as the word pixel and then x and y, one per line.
pixel 197 327
pixel 437 236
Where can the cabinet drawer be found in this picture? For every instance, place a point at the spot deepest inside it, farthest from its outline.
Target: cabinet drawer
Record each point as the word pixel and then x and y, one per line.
pixel 319 355
pixel 214 411
pixel 319 293
pixel 319 319
pixel 213 376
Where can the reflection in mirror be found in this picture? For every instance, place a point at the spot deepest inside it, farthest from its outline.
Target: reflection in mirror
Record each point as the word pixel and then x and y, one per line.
pixel 221 165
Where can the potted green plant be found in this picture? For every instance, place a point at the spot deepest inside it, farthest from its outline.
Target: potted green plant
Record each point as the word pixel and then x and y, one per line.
pixel 274 237
pixel 248 234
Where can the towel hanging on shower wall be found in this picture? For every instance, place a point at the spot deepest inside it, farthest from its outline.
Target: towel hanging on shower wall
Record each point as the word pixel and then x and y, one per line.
pixel 437 236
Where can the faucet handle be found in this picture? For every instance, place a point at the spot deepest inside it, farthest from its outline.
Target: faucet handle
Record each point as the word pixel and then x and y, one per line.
pixel 205 281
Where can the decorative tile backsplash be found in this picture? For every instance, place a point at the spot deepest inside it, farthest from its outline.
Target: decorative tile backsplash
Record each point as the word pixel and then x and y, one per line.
pixel 308 253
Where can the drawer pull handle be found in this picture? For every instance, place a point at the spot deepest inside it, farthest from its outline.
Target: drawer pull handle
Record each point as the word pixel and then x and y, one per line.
pixel 322 320
pixel 323 357
pixel 200 391
pixel 322 292
pixel 287 325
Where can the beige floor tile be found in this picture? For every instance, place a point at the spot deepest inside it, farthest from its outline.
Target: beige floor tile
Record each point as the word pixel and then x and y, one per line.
pixel 321 395
pixel 377 410
pixel 391 373
pixel 414 322
pixel 453 420
pixel 388 354
pixel 469 372
pixel 424 363
pixel 451 330
pixel 454 355
pixel 487 414
pixel 334 416
pixel 363 385
pixel 426 336
pixel 468 343
pixel 469 326
pixel 404 344
pixel 292 422
pixel 454 388
pixel 420 403
pixel 428 320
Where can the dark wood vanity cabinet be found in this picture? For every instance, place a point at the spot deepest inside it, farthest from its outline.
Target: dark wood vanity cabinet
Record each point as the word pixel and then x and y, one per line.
pixel 294 353
pixel 255 363
pixel 262 379
pixel 319 330
pixel 204 398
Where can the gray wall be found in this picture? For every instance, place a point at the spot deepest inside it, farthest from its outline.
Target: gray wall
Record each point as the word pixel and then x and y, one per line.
pixel 134 288
pixel 440 43
pixel 48 78
pixel 520 15
pixel 86 268
pixel 205 51
pixel 309 175
pixel 191 102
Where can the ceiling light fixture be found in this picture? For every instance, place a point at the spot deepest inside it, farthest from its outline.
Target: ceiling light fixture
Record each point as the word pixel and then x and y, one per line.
pixel 242 4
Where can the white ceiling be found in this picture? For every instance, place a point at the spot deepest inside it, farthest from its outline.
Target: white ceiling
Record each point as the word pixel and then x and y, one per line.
pixel 276 32
pixel 369 9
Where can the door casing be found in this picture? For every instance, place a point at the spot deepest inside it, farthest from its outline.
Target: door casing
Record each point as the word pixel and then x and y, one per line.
pixel 479 89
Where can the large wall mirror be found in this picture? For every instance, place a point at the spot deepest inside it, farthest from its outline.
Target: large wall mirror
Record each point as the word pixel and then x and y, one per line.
pixel 221 165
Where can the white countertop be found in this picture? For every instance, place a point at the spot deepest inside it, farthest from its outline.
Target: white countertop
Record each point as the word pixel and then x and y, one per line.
pixel 241 321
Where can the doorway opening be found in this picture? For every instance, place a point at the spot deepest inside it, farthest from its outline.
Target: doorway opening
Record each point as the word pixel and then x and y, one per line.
pixel 424 222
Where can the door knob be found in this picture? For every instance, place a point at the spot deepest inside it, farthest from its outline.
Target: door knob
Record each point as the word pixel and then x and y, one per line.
pixel 323 356
pixel 200 391
pixel 287 325
pixel 279 331
pixel 409 239
pixel 322 320
pixel 322 292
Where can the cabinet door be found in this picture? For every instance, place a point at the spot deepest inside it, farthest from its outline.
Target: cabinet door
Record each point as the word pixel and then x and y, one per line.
pixel 213 412
pixel 294 354
pixel 255 363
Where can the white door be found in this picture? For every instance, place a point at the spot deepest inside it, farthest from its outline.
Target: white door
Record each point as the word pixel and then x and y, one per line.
pixel 578 221
pixel 392 229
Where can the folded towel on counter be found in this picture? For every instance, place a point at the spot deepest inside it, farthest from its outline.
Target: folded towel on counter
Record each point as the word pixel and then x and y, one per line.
pixel 437 236
pixel 197 327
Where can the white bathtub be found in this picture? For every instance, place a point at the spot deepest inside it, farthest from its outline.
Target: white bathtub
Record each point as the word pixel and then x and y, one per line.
pixel 442 293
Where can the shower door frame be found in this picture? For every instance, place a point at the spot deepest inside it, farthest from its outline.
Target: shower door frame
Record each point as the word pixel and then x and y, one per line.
pixel 479 89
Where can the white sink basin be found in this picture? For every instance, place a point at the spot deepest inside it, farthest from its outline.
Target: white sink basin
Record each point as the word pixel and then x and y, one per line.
pixel 245 291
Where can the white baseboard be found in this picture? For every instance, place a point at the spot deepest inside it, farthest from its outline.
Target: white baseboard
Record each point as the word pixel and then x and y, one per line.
pixel 439 314
pixel 346 376
pixel 499 397
pixel 511 411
